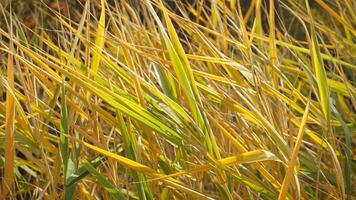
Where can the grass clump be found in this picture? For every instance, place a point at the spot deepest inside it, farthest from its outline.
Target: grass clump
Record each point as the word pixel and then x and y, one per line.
pixel 153 99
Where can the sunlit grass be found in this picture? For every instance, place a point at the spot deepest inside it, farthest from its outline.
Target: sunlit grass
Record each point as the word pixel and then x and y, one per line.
pixel 153 99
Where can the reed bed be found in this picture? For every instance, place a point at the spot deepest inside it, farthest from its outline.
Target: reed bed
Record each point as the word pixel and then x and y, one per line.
pixel 160 99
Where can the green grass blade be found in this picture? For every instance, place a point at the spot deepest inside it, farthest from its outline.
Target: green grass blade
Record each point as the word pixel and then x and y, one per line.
pixel 107 185
pixel 64 132
pixel 83 171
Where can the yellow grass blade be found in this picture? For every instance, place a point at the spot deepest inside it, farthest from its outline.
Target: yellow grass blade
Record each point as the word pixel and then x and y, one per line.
pixel 243 158
pixel 293 159
pixel 99 40
pixel 8 180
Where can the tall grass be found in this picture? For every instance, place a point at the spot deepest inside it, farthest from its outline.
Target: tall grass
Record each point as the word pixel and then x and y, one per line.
pixel 154 99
